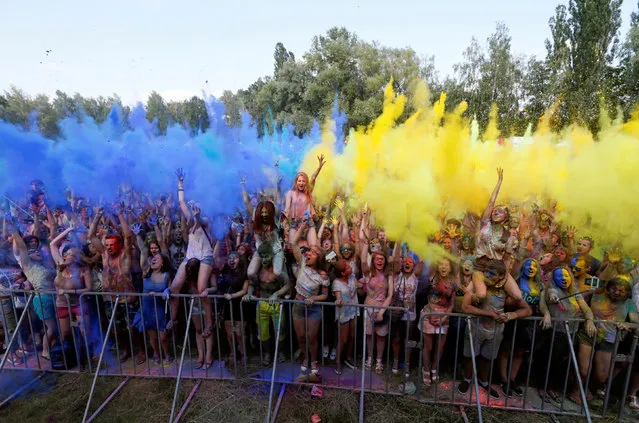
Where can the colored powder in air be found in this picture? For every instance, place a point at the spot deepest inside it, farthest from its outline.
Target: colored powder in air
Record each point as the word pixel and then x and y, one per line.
pixel 407 172
pixel 95 159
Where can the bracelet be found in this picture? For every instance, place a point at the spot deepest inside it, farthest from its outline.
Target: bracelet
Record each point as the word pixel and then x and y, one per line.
pixel 180 189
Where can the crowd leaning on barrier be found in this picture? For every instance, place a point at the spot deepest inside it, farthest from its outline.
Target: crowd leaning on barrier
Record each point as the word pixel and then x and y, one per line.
pixel 516 313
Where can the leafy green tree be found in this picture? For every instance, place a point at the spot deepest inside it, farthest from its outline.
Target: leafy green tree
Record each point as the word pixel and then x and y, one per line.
pixel 630 66
pixel 156 108
pixel 582 49
pixel 234 107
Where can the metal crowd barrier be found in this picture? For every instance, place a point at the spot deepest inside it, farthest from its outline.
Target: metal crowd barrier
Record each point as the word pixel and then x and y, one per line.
pixel 98 351
pixel 533 398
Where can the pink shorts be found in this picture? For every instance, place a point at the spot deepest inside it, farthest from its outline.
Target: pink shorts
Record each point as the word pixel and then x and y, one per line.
pixel 63 312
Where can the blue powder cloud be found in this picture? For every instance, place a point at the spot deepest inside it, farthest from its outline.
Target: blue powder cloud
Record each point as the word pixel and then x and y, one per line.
pixel 94 159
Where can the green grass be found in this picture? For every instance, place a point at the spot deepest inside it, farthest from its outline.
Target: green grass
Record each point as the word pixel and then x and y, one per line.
pixel 62 398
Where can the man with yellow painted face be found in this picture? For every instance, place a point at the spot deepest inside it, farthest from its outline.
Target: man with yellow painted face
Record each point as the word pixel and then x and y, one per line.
pixel 584 247
pixel 488 328
pixel 580 266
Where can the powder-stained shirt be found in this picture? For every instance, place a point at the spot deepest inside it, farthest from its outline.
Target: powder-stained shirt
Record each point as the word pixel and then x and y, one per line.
pixel 604 309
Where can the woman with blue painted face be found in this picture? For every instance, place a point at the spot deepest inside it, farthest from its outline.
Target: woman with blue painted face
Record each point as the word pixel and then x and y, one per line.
pixel 560 303
pixel 529 282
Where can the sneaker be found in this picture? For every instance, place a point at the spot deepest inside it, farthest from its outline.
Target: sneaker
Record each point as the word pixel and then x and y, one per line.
pixel 395 368
pixel 304 366
pixel 433 376
pixel 494 394
pixel 514 389
pixel 601 393
pixel 325 352
pixel 266 361
pixel 369 363
pixel 350 364
pixel 281 358
pixel 463 387
pixel 379 366
pixel 338 370
pixel 633 402
pixel 314 368
pixel 333 355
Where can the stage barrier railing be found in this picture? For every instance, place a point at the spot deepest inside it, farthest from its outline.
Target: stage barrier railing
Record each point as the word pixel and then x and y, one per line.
pixel 103 327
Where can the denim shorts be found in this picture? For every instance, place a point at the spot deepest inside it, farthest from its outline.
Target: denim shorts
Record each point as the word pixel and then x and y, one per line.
pixel 300 311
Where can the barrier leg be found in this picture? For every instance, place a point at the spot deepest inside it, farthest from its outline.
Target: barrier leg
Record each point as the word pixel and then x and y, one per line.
pixel 611 373
pixel 582 392
pixel 108 400
pixel 97 371
pixel 277 350
pixel 15 333
pixel 188 401
pixel 363 381
pixel 179 376
pixel 628 375
pixel 475 377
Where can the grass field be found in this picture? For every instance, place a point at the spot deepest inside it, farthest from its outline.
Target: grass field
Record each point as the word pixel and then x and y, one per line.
pixel 62 398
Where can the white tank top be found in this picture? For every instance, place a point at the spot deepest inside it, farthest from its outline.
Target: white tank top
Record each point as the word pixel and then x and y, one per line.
pixel 199 245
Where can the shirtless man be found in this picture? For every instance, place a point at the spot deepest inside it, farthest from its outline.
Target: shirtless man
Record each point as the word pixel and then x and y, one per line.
pixel 299 200
pixel 116 277
pixel 272 287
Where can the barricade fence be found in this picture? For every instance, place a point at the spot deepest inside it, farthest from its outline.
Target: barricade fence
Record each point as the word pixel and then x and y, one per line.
pixel 437 358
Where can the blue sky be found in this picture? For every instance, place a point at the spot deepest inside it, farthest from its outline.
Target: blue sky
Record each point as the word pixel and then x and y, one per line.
pixel 174 47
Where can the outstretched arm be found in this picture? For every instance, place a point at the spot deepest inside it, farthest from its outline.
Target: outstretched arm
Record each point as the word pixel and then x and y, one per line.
pixel 183 206
pixel 55 245
pixel 321 164
pixel 493 197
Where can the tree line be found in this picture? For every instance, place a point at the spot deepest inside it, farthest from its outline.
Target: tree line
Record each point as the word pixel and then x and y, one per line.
pixel 589 69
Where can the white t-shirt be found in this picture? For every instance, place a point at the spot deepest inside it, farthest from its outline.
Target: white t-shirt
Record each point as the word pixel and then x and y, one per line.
pixel 406 289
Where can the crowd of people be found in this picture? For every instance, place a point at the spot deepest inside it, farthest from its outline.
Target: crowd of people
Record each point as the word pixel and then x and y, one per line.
pixel 512 262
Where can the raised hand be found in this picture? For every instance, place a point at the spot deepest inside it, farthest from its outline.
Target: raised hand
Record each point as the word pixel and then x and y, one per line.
pixel 570 232
pixel 614 255
pixel 243 180
pixel 136 228
pixel 153 220
pixel 339 203
pixel 180 174
pixel 452 231
pixel 334 221
pixel 321 160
